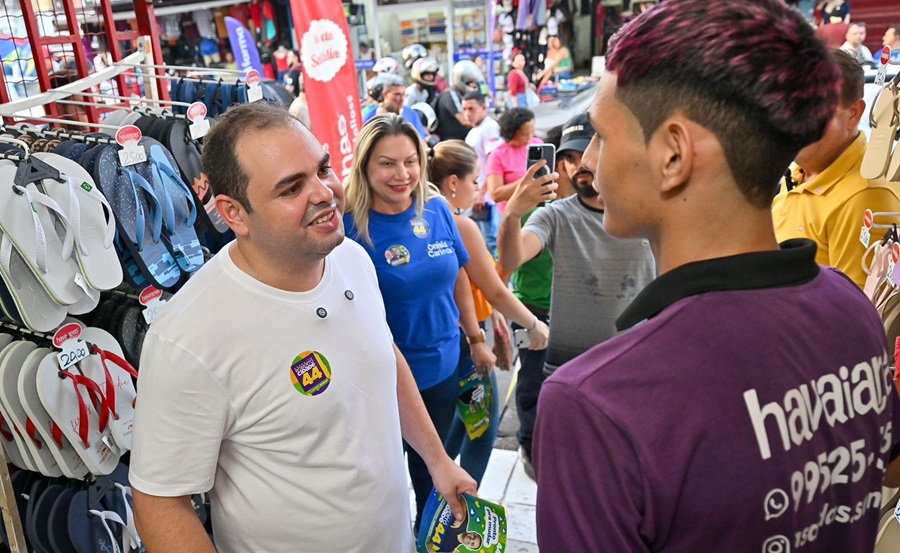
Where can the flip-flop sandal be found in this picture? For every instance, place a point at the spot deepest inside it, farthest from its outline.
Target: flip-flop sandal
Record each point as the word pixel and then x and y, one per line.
pixel 103 314
pixel 107 367
pixel 10 368
pixel 38 487
pixel 138 219
pixel 179 210
pixel 14 436
pixel 893 171
pixel 91 219
pixel 186 153
pixel 8 303
pixel 131 335
pixel 35 494
pixel 91 527
pixel 67 458
pixel 35 308
pixel 85 428
pixel 884 119
pixel 28 220
pixel 58 523
pixel 37 526
pixel 120 500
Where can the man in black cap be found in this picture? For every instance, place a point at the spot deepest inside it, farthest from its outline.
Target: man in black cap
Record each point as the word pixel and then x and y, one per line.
pixel 595 276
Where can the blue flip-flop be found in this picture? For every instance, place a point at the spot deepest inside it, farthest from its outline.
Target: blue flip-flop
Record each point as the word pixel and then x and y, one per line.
pixel 138 219
pixel 38 520
pixel 178 208
pixel 58 523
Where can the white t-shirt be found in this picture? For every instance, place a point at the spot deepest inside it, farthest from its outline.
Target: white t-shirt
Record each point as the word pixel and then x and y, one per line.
pixel 235 397
pixel 483 139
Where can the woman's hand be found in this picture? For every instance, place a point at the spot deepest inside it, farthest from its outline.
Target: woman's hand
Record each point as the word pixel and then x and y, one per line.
pixel 540 335
pixel 483 358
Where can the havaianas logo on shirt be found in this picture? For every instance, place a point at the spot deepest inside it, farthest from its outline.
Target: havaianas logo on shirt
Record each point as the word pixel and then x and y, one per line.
pixel 310 373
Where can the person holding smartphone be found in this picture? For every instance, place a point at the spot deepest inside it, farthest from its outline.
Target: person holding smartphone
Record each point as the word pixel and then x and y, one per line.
pixel 595 276
pixel 507 164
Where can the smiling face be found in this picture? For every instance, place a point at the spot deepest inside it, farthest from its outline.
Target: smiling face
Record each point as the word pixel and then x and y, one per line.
pixel 297 198
pixel 393 172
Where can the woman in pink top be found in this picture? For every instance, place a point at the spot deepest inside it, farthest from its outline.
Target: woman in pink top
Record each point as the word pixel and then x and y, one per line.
pixel 507 164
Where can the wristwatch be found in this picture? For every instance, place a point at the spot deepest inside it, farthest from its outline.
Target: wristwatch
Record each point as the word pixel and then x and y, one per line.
pixel 477 339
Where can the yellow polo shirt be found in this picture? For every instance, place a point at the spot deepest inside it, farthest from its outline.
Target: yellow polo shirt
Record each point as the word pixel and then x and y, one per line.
pixel 828 209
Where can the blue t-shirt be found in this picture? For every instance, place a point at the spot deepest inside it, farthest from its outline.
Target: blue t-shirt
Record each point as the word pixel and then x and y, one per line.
pixel 408 113
pixel 417 261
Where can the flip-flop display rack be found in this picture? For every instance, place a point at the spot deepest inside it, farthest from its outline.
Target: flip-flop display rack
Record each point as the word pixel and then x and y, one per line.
pixel 98 227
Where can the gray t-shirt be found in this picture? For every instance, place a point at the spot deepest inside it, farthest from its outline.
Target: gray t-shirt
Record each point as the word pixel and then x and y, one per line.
pixel 595 276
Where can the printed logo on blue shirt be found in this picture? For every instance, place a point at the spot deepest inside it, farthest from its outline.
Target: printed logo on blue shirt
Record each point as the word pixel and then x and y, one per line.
pixel 439 248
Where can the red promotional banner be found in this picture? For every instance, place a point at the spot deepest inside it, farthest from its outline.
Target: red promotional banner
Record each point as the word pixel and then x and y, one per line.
pixel 329 77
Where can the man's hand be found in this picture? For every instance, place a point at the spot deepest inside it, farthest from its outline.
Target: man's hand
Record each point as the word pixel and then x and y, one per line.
pixel 531 191
pixel 450 480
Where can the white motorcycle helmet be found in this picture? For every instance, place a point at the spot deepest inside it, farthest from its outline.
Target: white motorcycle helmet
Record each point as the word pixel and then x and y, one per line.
pixel 411 53
pixel 424 67
pixel 387 65
pixel 426 115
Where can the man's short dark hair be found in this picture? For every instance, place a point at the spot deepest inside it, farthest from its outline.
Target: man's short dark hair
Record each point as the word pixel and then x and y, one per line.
pixel 554 136
pixel 220 160
pixel 753 73
pixel 512 120
pixel 475 95
pixel 896 29
pixel 853 78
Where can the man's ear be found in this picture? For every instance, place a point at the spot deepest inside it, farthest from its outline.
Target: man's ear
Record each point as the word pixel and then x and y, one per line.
pixel 857 108
pixel 676 151
pixel 234 214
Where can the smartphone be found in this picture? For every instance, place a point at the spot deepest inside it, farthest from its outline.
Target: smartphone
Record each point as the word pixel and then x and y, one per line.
pixel 522 338
pixel 537 152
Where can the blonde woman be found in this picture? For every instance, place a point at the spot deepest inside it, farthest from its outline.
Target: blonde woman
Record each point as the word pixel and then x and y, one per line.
pixel 408 231
pixel 453 165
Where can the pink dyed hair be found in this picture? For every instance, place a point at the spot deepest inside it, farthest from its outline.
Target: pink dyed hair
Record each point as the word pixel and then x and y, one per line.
pixel 759 52
pixel 751 71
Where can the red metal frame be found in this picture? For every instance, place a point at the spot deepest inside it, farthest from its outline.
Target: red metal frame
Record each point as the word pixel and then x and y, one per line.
pixel 147 26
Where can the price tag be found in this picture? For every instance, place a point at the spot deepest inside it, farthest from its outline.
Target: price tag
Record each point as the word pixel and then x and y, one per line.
pixel 132 152
pixel 74 349
pixel 199 123
pixel 865 236
pixel 151 299
pixel 254 90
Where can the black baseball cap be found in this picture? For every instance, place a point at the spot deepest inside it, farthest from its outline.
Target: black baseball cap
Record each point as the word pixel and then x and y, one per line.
pixel 576 134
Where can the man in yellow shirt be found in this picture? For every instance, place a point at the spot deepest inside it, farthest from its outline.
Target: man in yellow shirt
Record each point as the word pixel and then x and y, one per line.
pixel 823 195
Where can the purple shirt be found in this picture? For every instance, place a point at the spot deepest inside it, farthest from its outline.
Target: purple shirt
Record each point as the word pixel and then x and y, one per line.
pixel 751 411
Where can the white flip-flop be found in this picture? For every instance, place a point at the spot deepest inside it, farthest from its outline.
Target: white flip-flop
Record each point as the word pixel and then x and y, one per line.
pixel 28 218
pixel 34 305
pixel 8 433
pixel 68 459
pixel 91 220
pixel 10 367
pixel 884 119
pixel 108 368
pixel 79 420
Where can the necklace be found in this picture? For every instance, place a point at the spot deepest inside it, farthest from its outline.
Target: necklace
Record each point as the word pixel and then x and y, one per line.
pixel 253 272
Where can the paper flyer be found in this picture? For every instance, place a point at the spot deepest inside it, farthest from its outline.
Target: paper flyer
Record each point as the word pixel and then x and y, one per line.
pixel 483 530
pixel 476 397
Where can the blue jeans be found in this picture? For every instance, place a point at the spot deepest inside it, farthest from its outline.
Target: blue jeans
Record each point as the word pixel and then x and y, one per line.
pixel 440 402
pixel 528 387
pixel 474 454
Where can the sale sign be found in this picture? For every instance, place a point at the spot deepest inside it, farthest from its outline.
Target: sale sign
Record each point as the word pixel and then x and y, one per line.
pixel 329 78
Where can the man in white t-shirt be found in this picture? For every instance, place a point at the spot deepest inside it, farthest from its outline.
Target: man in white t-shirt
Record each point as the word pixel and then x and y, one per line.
pixel 483 138
pixel 271 378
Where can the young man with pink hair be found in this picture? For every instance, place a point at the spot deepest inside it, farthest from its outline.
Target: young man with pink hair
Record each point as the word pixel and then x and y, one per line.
pixel 748 403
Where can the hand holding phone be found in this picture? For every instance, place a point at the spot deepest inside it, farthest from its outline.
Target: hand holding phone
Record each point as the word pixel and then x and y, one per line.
pixel 522 338
pixel 547 152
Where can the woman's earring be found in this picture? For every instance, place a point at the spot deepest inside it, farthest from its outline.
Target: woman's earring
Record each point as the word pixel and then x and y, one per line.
pixel 453 194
